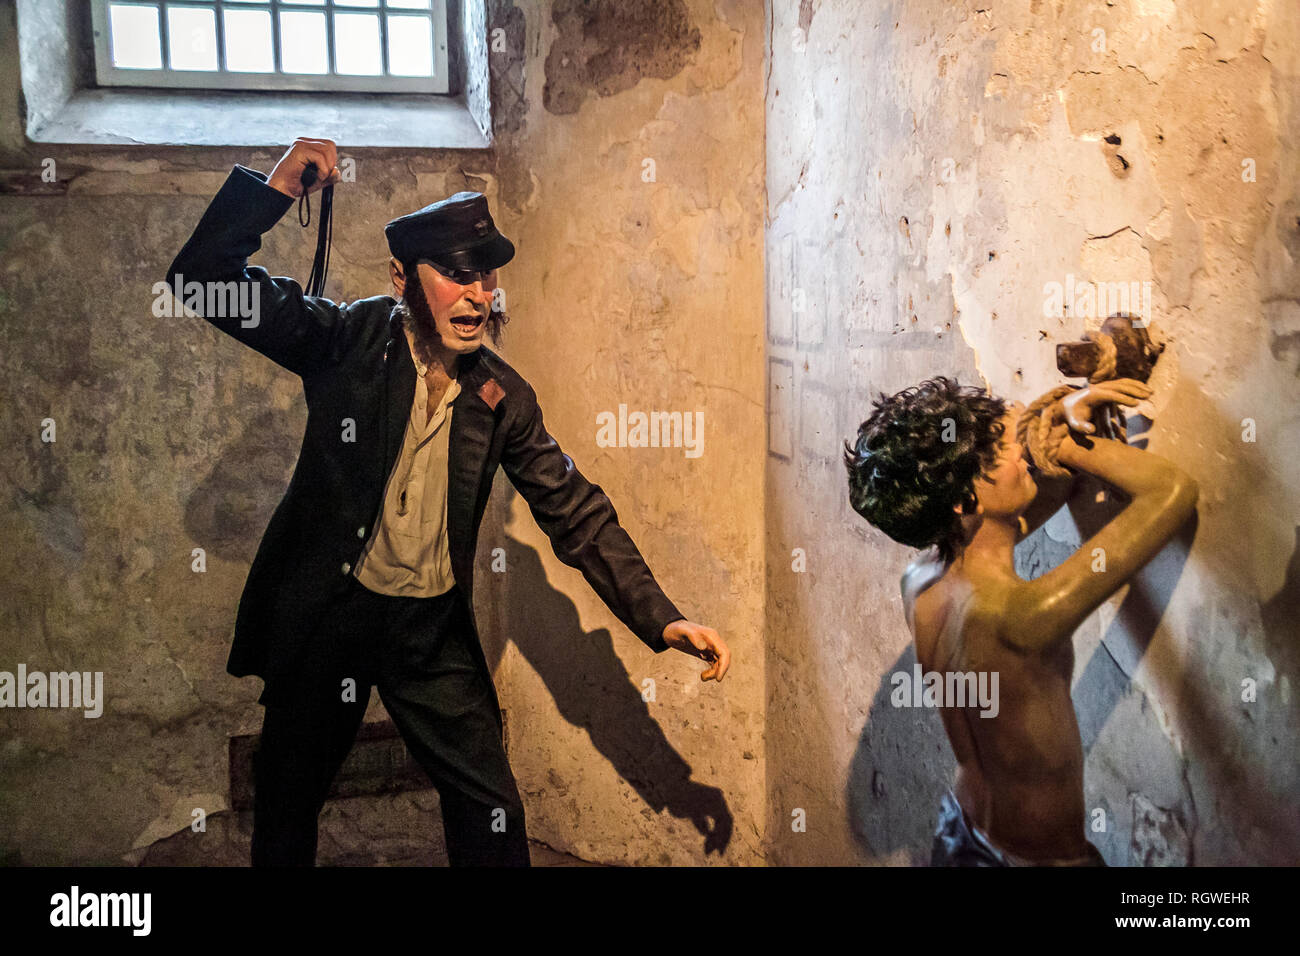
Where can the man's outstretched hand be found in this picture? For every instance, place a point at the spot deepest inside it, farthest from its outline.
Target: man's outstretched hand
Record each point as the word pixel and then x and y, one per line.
pixel 702 642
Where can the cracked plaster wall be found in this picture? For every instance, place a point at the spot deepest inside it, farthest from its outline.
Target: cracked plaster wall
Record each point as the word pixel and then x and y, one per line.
pixel 863 111
pixel 171 436
pixel 662 283
pixel 930 166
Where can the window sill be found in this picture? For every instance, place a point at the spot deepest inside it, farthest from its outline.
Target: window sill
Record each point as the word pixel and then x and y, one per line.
pixel 231 118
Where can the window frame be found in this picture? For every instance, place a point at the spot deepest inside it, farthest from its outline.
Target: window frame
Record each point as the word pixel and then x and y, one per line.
pixel 109 76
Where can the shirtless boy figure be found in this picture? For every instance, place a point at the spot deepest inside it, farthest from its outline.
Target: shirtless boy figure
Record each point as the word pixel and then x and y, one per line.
pixel 938 467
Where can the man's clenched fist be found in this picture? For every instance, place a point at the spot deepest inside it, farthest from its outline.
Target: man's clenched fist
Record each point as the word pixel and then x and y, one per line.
pixel 321 153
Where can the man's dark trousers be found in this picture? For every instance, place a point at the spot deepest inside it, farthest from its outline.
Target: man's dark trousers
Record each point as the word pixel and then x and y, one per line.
pixel 433 681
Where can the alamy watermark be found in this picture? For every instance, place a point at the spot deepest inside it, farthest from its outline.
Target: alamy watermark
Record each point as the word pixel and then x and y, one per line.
pixel 651 430
pixel 947 689
pixel 74 908
pixel 235 299
pixel 56 689
pixel 1097 300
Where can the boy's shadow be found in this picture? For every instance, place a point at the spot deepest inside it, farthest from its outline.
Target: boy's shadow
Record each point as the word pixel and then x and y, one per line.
pixel 900 769
pixel 594 691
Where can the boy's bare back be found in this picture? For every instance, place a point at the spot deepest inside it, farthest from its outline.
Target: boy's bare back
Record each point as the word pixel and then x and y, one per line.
pixel 1020 773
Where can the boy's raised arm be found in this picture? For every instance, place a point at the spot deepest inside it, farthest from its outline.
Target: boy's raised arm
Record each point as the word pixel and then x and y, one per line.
pixel 1051 606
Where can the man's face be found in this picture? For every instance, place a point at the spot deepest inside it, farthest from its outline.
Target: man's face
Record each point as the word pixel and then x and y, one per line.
pixel 1009 488
pixel 449 308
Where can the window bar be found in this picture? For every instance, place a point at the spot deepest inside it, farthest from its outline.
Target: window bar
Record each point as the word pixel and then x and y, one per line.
pixel 383 37
pixel 164 37
pixel 277 61
pixel 219 16
pixel 332 58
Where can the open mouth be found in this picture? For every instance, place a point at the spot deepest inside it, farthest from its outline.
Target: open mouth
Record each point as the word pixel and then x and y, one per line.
pixel 467 324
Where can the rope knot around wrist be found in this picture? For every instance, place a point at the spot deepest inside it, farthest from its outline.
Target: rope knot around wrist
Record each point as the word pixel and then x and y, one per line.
pixel 1039 435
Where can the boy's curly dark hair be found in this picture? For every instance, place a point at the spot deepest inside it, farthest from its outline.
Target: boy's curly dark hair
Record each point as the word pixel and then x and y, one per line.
pixel 905 478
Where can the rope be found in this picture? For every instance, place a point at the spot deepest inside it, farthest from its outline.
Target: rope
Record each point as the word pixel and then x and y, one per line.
pixel 1105 370
pixel 1042 438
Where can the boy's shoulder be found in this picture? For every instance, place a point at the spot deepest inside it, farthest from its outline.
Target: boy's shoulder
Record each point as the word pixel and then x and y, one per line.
pixel 921 572
pixel 981 599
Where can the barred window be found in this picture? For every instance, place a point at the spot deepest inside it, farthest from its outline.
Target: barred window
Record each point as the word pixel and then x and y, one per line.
pixel 397 46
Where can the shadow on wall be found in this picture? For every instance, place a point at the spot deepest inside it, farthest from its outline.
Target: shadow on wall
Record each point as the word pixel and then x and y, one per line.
pixel 901 767
pixel 903 762
pixel 1149 834
pixel 1280 616
pixel 1241 754
pixel 230 508
pixel 594 691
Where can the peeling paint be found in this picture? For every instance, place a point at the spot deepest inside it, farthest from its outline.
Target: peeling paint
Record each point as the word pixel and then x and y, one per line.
pixel 607 47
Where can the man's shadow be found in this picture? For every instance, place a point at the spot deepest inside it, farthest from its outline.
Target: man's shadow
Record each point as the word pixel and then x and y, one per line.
pixel 593 690
pixel 896 778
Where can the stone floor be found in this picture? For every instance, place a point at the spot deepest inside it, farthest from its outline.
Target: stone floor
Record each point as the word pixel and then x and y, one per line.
pixel 401 829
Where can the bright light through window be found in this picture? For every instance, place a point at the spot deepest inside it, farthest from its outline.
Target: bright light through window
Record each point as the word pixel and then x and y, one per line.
pixel 361 45
pixel 305 42
pixel 360 54
pixel 250 48
pixel 135 41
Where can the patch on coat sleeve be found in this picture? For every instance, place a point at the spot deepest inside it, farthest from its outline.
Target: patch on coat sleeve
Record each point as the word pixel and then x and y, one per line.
pixel 491 393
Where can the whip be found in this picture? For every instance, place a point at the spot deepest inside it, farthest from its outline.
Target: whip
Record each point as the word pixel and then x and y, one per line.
pixel 324 231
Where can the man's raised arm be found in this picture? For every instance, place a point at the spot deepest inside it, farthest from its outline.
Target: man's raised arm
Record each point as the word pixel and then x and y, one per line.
pixel 212 278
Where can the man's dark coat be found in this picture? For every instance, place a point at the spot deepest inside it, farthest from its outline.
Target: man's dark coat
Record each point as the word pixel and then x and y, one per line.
pixel 359 381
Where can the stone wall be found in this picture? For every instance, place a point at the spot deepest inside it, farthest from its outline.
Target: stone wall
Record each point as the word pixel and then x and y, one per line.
pixel 171 436
pixel 632 167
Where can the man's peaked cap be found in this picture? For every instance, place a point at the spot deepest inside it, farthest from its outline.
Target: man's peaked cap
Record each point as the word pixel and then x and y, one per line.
pixel 456 233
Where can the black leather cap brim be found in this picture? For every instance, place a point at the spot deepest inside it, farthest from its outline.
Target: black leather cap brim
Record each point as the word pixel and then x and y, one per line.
pixel 495 252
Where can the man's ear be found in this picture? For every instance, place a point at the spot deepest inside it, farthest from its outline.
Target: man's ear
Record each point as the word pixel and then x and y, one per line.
pixel 398 276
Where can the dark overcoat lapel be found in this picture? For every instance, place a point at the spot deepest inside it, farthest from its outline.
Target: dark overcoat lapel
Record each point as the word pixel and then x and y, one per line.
pixel 473 429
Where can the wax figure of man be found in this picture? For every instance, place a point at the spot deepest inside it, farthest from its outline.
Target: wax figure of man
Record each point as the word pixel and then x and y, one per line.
pixel 365 574
pixel 939 467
